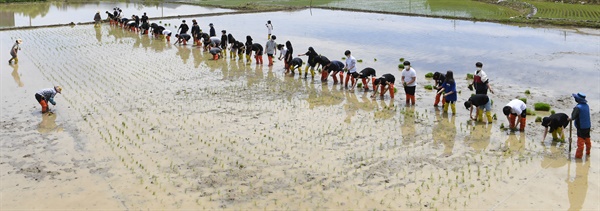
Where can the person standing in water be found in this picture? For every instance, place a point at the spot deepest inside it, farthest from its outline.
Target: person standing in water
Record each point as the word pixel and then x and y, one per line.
pixel 409 81
pixel 439 79
pixel 350 67
pixel 196 32
pixel 97 19
pixel 449 90
pixel 480 80
pixel 271 49
pixel 212 32
pixel 183 28
pixel 14 50
pixel 47 95
pixel 583 123
pixel 269 29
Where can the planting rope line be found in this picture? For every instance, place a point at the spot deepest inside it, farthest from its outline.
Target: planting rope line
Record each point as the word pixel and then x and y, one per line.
pixel 520 187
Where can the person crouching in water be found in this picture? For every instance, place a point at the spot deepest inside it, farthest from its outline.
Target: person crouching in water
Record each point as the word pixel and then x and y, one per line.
pixel 386 82
pixel 241 48
pixel 111 18
pixel 516 109
pixel 258 52
pixel 481 102
pixel 439 79
pixel 144 28
pixel 47 95
pixel 449 90
pixel 312 54
pixel 167 35
pixel 296 63
pixel 322 61
pixel 182 38
pixel 556 122
pixel 216 52
pixel 367 75
pixel 335 68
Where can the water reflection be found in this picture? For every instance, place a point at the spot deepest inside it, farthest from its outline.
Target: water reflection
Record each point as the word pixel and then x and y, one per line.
pixel 479 138
pixel 15 75
pixel 183 52
pixel 514 144
pixel 444 131
pixel 408 125
pixel 553 156
pixel 98 34
pixel 385 111
pixel 48 123
pixel 578 185
pixel 47 13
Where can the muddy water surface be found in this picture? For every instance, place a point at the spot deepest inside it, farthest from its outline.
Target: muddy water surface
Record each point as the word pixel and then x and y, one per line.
pixel 146 124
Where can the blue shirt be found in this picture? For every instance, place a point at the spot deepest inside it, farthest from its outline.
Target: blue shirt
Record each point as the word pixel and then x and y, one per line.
pixel 450 87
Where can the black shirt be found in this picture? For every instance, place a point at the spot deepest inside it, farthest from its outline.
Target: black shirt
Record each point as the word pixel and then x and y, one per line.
pixel 387 78
pixel 479 99
pixel 296 62
pixel 184 28
pixel 322 60
pixel 258 48
pixel 367 72
pixel 335 66
pixel 555 121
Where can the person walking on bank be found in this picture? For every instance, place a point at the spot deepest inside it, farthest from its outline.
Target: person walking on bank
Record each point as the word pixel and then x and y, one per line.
pixel 480 81
pixel 271 49
pixel 47 95
pixel 481 102
pixel 439 79
pixel 516 110
pixel 581 118
pixel 449 88
pixel 556 122
pixel 14 50
pixel 409 81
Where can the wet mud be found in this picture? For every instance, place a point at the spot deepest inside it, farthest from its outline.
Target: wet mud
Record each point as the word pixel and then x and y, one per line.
pixel 143 124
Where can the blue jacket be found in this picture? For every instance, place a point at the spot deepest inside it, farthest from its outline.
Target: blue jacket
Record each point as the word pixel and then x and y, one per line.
pixel 582 118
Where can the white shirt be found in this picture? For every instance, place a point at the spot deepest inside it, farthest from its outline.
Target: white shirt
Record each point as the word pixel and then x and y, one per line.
pixel 409 75
pixel 351 64
pixel 270 28
pixel 166 32
pixel 516 106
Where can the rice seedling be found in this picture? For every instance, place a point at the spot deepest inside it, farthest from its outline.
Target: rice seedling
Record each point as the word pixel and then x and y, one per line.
pixel 540 106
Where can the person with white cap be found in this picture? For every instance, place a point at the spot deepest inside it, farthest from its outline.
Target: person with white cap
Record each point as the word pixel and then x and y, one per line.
pixel 14 50
pixel 581 118
pixel 47 95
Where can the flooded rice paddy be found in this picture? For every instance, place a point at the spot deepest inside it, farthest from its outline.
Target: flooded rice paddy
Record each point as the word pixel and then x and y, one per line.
pixel 143 124
pixel 50 13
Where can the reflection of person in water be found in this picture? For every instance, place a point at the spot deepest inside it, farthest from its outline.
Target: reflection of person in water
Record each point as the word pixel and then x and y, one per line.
pixel 184 53
pixel 98 34
pixel 553 156
pixel 444 131
pixel 48 124
pixel 386 111
pixel 578 187
pixel 15 75
pixel 479 139
pixel 515 144
pixel 351 106
pixel 408 125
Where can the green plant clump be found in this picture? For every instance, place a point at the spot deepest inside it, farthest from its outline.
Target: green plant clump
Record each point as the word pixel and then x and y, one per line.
pixel 429 87
pixel 538 119
pixel 402 60
pixel 359 61
pixel 401 67
pixel 469 76
pixel 343 58
pixel 359 85
pixel 395 90
pixel 541 106
pixel 552 112
pixel 523 99
pixel 527 92
pixel 530 112
pixel 429 75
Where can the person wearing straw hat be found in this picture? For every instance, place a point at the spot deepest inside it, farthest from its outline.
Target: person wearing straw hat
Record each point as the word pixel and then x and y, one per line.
pixel 581 118
pixel 47 95
pixel 14 50
pixel 97 19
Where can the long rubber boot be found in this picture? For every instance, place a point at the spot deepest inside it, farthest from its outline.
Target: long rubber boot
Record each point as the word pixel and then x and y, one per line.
pixel 270 60
pixel 347 79
pixel 44 106
pixel 408 100
pixel 305 70
pixel 364 82
pixel 445 108
pixel 555 134
pixel 588 144
pixel 16 60
pixel 437 99
pixel 453 106
pixel 414 99
pixel 522 124
pixel 382 89
pixel 479 115
pixel 580 146
pixel 511 121
pixel 341 78
pixel 335 80
pixel 392 91
pixel 488 114
pixel 560 131
pixel 324 75
pixel 248 59
pixel 312 72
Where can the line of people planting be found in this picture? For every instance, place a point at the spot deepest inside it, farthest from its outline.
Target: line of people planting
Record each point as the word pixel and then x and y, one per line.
pixel 445 85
